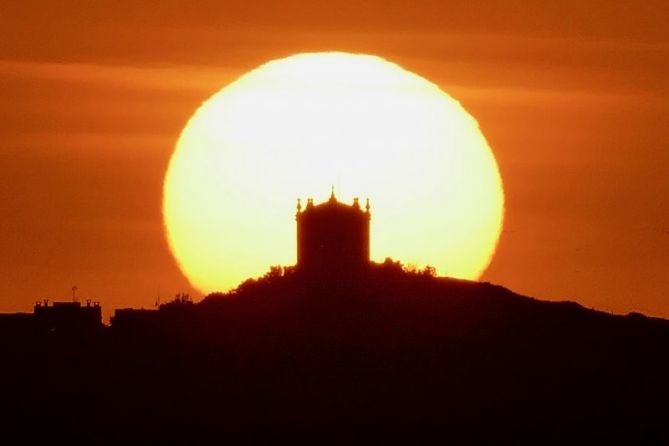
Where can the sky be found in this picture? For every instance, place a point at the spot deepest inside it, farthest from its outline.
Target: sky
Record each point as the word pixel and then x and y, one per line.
pixel 572 97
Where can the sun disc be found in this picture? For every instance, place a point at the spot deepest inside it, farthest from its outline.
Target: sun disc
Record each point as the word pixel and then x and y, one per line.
pixel 295 126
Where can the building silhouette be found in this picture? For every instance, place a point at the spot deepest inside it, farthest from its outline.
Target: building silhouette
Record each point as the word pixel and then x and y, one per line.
pixel 68 316
pixel 141 319
pixel 332 237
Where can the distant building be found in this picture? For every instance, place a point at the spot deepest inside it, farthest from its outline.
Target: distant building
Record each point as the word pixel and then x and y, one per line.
pixel 16 324
pixel 141 319
pixel 134 318
pixel 61 318
pixel 332 236
pixel 68 316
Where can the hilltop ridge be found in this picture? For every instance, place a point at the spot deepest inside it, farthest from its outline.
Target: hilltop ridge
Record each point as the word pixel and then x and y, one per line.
pixel 383 353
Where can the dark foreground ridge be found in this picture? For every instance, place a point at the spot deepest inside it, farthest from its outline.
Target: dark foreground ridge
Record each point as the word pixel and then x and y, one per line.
pixel 380 355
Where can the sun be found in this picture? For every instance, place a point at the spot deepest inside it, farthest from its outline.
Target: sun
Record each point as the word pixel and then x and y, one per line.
pixel 295 126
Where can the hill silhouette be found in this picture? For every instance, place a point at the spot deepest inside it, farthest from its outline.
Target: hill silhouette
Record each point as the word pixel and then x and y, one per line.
pixel 381 354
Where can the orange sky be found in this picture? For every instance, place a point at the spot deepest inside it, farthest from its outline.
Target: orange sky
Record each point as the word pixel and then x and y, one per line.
pixel 572 98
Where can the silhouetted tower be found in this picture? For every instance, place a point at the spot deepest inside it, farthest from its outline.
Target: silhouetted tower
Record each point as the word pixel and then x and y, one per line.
pixel 332 236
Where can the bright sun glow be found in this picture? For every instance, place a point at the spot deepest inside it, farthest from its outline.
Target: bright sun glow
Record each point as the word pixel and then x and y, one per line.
pixel 295 126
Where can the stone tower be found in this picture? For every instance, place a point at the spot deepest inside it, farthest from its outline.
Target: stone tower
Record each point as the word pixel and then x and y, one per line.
pixel 332 237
